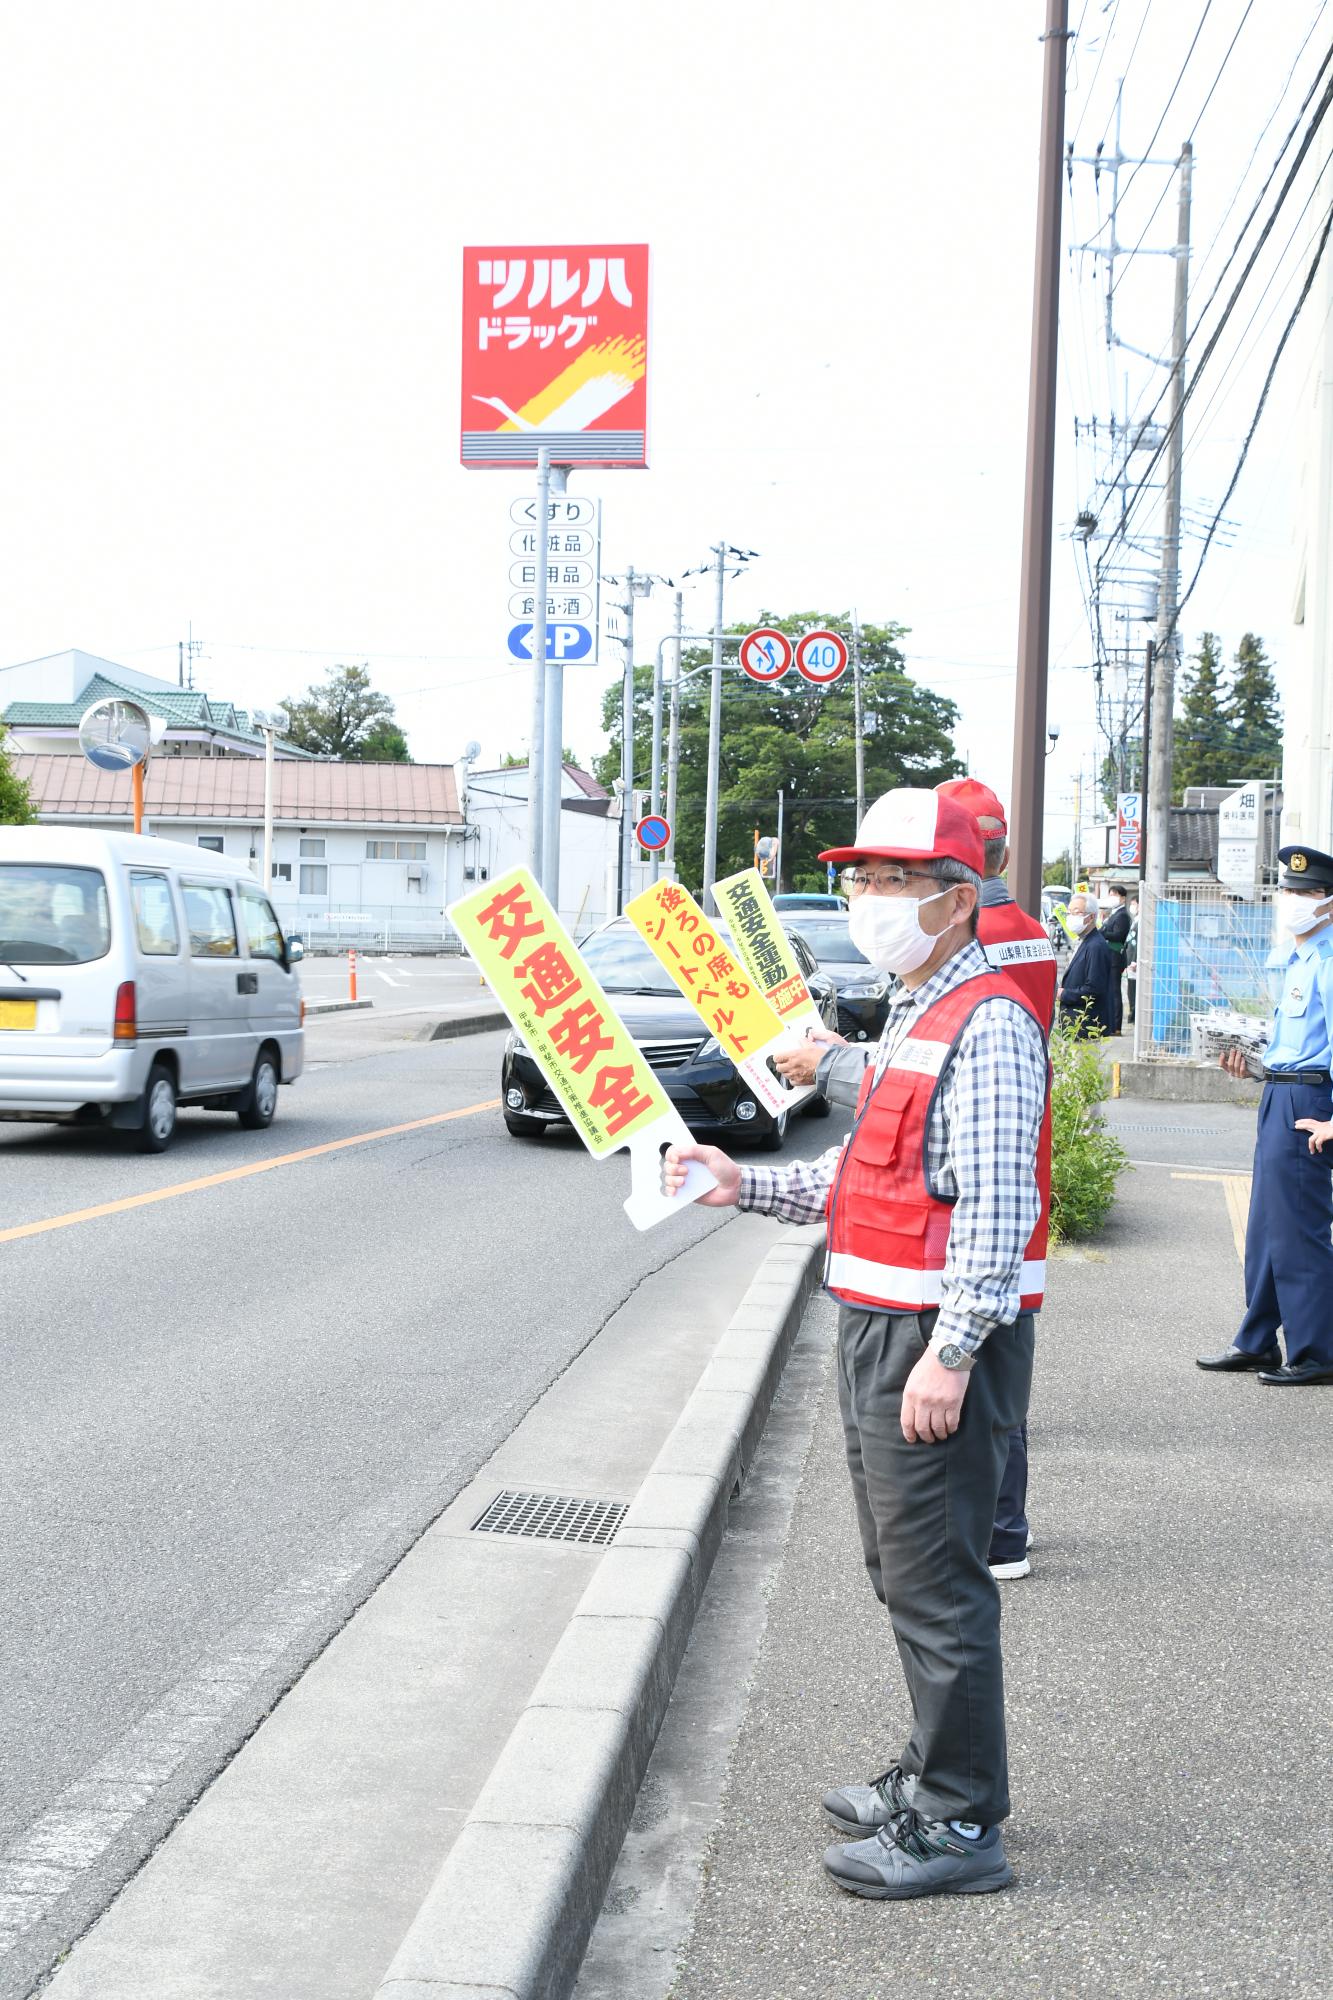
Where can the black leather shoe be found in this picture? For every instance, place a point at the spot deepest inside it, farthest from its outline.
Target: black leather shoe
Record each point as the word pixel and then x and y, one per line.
pixel 1233 1358
pixel 1298 1377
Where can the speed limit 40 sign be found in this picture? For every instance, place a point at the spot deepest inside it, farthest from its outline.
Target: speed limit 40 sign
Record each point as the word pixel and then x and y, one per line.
pixel 821 656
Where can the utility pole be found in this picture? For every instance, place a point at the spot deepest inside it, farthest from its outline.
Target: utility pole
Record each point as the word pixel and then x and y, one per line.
pixel 714 733
pixel 777 858
pixel 1158 820
pixel 1076 846
pixel 673 746
pixel 860 738
pixel 1034 609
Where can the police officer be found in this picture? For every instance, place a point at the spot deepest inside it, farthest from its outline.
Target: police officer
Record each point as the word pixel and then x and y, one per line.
pixel 1288 1248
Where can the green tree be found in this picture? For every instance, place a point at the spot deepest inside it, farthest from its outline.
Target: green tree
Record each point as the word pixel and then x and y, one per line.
pixel 1058 873
pixel 15 804
pixel 793 737
pixel 1254 713
pixel 1205 750
pixel 344 717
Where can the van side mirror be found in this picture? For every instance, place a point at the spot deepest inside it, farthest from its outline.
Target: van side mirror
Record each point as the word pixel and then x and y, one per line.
pixel 295 950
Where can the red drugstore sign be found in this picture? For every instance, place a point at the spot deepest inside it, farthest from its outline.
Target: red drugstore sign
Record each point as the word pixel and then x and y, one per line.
pixel 575 1037
pixel 555 352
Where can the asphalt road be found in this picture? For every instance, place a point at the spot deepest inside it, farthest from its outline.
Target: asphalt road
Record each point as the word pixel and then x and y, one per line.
pixel 228 1411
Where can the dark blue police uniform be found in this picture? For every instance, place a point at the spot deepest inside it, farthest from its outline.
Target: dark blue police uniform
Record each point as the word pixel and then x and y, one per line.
pixel 1289 1237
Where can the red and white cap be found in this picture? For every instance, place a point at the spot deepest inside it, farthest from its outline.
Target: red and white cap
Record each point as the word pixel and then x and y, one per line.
pixel 980 801
pixel 909 825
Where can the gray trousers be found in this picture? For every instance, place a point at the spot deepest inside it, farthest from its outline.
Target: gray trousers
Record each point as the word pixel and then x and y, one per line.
pixel 926 1512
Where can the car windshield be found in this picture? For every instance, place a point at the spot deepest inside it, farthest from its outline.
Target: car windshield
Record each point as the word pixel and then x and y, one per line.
pixel 831 943
pixel 52 916
pixel 624 964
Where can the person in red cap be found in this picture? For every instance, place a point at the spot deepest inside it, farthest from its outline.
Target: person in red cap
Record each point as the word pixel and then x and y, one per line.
pixel 936 1211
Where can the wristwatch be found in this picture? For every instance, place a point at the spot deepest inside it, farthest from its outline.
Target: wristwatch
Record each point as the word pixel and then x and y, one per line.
pixel 950 1355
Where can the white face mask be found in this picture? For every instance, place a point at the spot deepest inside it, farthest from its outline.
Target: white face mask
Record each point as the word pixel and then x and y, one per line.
pixel 1298 914
pixel 888 931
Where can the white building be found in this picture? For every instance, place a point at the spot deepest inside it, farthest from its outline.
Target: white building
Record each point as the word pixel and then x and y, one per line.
pixel 496 805
pixel 361 852
pixel 1307 759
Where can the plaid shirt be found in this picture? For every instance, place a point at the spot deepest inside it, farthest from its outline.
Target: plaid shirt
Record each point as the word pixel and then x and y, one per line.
pixel 981 1143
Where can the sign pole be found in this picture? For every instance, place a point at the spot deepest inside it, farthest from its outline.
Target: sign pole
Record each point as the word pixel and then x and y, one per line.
pixel 136 780
pixel 655 797
pixel 537 735
pixel 673 743
pixel 777 858
pixel 860 736
pixel 553 763
pixel 627 740
pixel 714 735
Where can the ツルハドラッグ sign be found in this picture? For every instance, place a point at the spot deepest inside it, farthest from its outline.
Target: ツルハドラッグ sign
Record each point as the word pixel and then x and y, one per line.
pixel 700 960
pixel 765 949
pixel 575 1036
pixel 555 352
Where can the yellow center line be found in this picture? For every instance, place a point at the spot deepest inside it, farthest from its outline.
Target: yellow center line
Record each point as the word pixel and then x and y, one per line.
pixel 238 1173
pixel 1236 1190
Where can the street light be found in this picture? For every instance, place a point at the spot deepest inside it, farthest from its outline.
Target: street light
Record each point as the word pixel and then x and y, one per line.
pixel 272 722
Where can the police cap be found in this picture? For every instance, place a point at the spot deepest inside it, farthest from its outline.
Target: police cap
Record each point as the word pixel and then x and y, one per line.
pixel 1305 868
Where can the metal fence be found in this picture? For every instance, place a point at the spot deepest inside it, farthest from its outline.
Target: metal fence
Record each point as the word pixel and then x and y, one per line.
pixel 380 927
pixel 1202 979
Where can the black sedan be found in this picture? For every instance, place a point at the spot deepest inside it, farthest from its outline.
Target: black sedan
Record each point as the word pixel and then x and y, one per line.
pixel 863 991
pixel 698 1078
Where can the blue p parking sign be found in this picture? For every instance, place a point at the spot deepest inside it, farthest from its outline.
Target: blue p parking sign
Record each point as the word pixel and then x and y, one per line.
pixel 563 641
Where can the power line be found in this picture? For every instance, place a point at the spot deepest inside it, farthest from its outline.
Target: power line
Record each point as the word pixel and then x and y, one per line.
pixel 1258 413
pixel 1193 129
pixel 1207 9
pixel 1264 130
pixel 1121 531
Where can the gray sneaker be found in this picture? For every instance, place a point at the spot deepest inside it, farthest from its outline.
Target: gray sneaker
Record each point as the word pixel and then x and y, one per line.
pixel 863 1808
pixel 912 1856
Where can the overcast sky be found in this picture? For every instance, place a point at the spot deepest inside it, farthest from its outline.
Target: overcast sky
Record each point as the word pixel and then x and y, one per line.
pixel 232 241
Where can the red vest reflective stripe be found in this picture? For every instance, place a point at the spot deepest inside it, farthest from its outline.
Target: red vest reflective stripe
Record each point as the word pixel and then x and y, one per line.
pixel 1017 945
pixel 887 1230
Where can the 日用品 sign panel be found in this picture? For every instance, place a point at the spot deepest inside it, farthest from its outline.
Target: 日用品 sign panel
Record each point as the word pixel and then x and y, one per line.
pixel 729 1003
pixel 555 352
pixel 765 949
pixel 574 1035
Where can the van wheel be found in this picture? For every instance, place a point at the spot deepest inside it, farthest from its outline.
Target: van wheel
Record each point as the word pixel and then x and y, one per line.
pixel 776 1133
pixel 159 1111
pixel 259 1100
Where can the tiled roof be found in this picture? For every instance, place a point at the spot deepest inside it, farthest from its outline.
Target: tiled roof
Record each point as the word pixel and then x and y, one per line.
pixel 198 788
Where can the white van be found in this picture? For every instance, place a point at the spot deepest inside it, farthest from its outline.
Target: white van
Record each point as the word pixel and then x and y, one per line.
pixel 137 975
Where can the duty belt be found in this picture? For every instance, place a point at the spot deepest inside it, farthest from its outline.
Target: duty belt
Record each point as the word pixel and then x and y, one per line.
pixel 1316 1076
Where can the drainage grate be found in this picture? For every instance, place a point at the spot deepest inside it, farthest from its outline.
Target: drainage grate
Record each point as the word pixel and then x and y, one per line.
pixel 552 1517
pixel 1171 1131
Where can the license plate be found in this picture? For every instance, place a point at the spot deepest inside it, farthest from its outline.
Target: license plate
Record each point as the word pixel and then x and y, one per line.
pixel 18 1014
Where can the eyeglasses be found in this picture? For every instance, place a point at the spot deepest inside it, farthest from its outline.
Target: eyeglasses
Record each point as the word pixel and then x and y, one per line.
pixel 887 880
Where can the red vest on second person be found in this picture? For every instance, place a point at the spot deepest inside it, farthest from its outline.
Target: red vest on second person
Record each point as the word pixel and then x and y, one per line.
pixel 1016 944
pixel 887 1228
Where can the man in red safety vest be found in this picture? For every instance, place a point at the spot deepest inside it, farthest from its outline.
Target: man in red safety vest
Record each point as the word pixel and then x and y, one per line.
pixel 936 1211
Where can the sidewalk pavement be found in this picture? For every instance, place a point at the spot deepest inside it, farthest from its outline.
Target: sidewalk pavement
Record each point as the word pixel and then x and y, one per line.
pixel 1170 1720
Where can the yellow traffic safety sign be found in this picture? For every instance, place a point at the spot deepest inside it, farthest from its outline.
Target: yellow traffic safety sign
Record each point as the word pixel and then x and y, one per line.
pixel 729 1001
pixel 576 1038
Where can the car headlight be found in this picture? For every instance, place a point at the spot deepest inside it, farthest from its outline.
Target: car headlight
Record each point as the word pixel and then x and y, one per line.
pixel 516 1045
pixel 712 1047
pixel 869 989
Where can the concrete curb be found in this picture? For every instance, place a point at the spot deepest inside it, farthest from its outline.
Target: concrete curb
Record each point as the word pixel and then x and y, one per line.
pixel 1185 1083
pixel 464 1024
pixel 511 1911
pixel 335 1006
